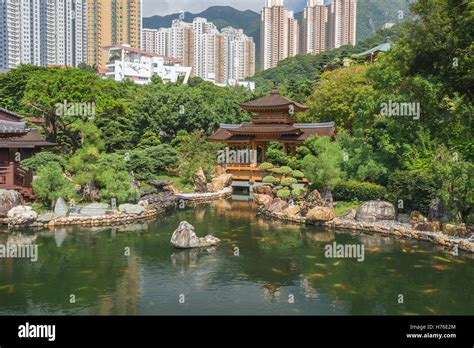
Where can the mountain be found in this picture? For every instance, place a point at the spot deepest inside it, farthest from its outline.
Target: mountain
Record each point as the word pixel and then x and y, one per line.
pixel 221 16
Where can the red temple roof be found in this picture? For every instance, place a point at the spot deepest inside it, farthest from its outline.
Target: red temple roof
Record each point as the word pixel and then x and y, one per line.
pixel 272 101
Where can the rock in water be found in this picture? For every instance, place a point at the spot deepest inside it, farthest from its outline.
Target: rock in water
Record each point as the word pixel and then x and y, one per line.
pixel 21 216
pixel 376 210
pixel 276 206
pixel 184 237
pixel 61 208
pixel 8 200
pixel 200 182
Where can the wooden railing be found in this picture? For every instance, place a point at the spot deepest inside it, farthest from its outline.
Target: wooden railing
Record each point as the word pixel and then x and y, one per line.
pixel 14 176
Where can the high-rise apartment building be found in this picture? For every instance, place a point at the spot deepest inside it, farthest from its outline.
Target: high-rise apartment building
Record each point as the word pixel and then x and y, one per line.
pixel 112 22
pixel 328 26
pixel 279 34
pixel 213 55
pixel 42 32
pixel 342 23
pixel 315 22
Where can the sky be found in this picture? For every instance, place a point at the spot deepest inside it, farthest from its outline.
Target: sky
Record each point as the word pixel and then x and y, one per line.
pixel 165 7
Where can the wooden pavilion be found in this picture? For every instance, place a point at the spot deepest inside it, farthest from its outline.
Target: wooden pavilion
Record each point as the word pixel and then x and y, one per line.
pixel 18 142
pixel 274 120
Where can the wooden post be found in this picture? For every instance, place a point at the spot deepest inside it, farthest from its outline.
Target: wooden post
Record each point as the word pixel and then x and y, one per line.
pixel 254 153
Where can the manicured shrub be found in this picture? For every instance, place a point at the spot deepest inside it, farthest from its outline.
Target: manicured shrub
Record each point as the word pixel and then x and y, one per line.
pixel 265 166
pixel 289 181
pixel 277 188
pixel 298 174
pixel 352 190
pixel 284 194
pixel 283 170
pixel 298 192
pixel 270 179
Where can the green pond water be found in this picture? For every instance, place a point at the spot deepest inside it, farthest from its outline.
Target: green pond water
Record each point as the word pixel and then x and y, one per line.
pixel 281 269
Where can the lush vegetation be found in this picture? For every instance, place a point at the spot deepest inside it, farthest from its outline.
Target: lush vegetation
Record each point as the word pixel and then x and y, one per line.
pixel 138 132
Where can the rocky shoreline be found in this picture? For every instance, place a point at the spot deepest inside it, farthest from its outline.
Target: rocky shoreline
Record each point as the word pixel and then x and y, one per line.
pixel 373 216
pixel 148 208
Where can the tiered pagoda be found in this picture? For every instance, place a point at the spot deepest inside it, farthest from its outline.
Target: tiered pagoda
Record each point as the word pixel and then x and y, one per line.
pixel 274 120
pixel 18 142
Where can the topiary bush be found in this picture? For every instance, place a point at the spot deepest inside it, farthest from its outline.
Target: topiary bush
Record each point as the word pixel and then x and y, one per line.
pixel 283 170
pixel 270 179
pixel 298 174
pixel 298 192
pixel 352 190
pixel 277 188
pixel 284 194
pixel 289 181
pixel 265 166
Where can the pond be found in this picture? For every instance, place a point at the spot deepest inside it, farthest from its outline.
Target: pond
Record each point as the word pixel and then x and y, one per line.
pixel 261 267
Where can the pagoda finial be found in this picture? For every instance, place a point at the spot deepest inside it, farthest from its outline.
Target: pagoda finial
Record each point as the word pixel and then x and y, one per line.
pixel 275 88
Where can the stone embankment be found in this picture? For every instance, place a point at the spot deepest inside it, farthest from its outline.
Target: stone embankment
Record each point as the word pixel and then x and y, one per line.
pixel 373 216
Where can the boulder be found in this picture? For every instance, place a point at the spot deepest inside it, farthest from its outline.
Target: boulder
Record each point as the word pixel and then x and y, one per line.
pixel 46 217
pixel 8 200
pixel 455 230
pixel 416 216
pixel 94 209
pixel 428 226
pixel 184 237
pixel 135 209
pixel 162 201
pixel 376 210
pixel 61 208
pixel 320 214
pixel 219 183
pixel 292 210
pixel 276 206
pixel 21 215
pixel 263 190
pixel 314 199
pixel 219 170
pixel 403 218
pixel 200 182
pixel 349 214
pixel 262 199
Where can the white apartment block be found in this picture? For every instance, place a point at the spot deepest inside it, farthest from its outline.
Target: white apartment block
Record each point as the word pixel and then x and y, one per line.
pixel 42 32
pixel 279 34
pixel 128 63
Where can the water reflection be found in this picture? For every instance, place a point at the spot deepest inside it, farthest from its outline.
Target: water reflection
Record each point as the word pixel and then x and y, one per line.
pixel 273 261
